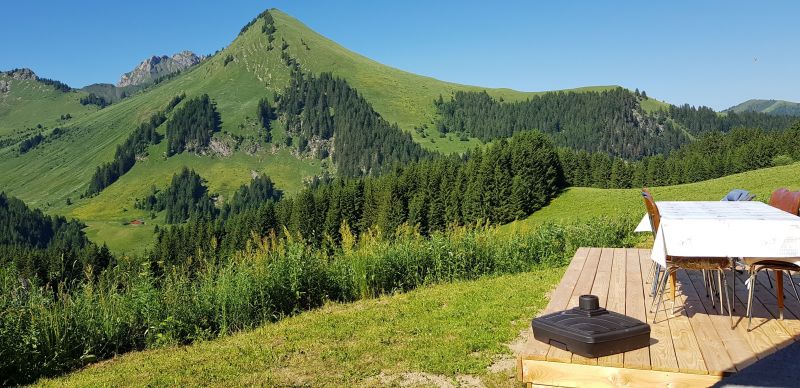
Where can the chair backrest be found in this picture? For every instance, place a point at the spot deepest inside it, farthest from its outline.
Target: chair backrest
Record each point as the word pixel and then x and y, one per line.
pixel 788 201
pixel 652 210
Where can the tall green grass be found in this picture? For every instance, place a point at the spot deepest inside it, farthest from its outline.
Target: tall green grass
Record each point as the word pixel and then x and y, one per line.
pixel 46 332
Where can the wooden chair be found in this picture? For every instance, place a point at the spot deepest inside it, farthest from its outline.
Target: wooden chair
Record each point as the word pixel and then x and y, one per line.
pixel 655 270
pixel 674 263
pixel 788 201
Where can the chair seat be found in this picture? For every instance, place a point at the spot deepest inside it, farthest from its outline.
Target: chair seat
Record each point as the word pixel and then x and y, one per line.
pixel 777 265
pixel 709 263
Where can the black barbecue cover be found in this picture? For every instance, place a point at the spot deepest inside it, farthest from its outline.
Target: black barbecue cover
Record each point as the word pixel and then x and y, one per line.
pixel 590 330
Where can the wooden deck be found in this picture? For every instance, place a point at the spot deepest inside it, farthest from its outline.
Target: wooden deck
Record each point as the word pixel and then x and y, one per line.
pixel 694 347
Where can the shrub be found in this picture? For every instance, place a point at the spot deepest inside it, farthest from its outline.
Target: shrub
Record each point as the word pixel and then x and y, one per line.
pixel 46 332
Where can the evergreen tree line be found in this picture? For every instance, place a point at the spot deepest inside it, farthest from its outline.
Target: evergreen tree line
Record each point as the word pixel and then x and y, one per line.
pixel 57 85
pixel 94 99
pixel 611 121
pixel 186 197
pixel 175 101
pixel 508 180
pixel 35 140
pixel 191 126
pixel 711 156
pixel 46 250
pixel 265 115
pixel 702 120
pixel 250 212
pixel 265 14
pixel 269 25
pixel 126 153
pixel 316 109
pixel 30 143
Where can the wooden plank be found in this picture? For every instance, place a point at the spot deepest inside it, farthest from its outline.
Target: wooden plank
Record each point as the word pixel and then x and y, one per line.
pixel 769 299
pixel 558 300
pixel 791 305
pixel 582 286
pixel 765 329
pixel 687 350
pixel 739 349
pixel 634 307
pixel 662 353
pixel 711 345
pixel 790 300
pixel 616 300
pixel 599 288
pixel 573 375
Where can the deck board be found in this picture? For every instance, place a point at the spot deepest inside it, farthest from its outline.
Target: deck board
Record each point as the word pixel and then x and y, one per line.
pixel 662 352
pixel 739 350
pixel 634 307
pixel 615 300
pixel 559 299
pixel 716 357
pixel 582 286
pixel 696 344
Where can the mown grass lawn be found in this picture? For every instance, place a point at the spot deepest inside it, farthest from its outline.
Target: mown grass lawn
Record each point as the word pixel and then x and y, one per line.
pixel 447 330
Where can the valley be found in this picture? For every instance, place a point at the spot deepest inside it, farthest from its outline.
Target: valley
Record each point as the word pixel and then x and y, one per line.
pixel 285 191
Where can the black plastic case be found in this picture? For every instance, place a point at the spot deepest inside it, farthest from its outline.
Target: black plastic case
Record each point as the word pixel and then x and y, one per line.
pixel 591 331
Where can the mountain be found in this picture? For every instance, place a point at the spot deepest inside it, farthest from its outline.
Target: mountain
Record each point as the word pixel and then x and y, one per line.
pixel 236 78
pixel 29 103
pixel 773 107
pixel 271 53
pixel 158 66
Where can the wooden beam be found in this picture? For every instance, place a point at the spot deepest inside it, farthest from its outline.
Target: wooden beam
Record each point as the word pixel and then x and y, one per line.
pixel 576 375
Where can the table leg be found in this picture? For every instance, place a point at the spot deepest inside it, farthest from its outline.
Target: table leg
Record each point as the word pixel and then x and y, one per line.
pixel 672 285
pixel 779 289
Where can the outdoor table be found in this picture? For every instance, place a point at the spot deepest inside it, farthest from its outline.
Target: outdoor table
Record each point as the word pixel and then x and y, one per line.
pixel 751 230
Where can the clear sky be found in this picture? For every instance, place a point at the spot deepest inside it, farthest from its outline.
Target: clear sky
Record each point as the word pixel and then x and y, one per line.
pixel 703 53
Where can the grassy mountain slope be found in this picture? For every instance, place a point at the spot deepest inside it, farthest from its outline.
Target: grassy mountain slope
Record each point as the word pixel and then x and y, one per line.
pixel 26 103
pixel 47 175
pixel 399 96
pixel 444 330
pixel 580 203
pixel 236 78
pixel 776 107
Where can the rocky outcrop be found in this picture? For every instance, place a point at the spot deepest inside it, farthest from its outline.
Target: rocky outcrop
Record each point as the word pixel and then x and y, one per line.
pixel 155 67
pixel 22 74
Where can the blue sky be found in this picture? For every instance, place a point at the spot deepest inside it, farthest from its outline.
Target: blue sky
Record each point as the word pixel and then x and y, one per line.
pixel 714 53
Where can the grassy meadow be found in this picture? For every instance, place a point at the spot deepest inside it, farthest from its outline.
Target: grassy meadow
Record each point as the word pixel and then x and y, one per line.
pixel 449 331
pixel 29 103
pixel 579 203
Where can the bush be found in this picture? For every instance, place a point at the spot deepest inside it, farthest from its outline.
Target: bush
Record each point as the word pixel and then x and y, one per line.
pixel 782 160
pixel 45 332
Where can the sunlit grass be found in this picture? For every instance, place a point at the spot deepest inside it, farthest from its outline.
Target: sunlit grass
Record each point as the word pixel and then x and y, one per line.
pixel 579 203
pixel 448 330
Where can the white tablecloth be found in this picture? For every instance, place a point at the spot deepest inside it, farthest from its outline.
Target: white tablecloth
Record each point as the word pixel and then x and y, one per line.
pixel 748 229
